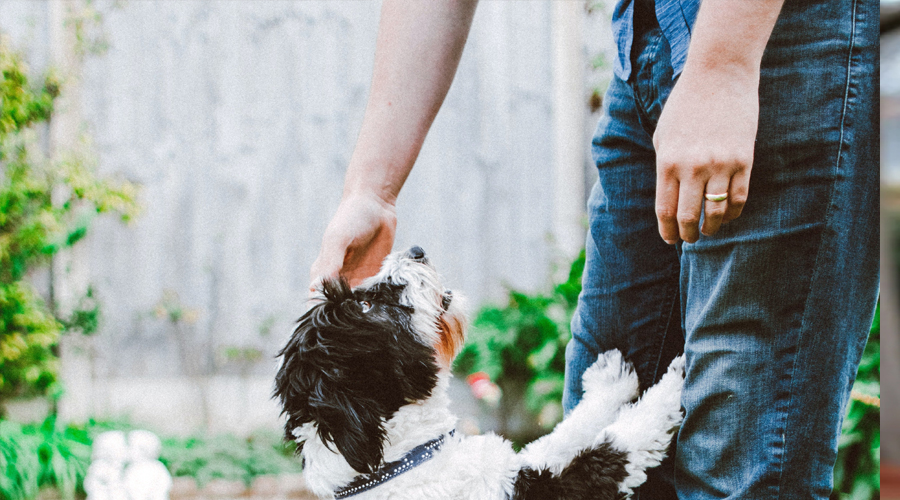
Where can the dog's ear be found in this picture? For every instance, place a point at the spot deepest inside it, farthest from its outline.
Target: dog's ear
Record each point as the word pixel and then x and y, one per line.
pixel 313 389
pixel 295 378
pixel 302 359
pixel 323 378
pixel 352 422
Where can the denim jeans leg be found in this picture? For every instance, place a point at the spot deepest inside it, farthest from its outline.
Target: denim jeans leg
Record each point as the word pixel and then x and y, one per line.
pixel 778 304
pixel 629 299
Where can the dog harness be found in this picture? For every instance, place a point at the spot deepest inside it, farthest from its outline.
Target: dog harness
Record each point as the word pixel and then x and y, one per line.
pixel 415 457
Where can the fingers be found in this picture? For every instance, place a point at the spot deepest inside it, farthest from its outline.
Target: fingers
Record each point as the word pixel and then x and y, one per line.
pixel 667 205
pixel 690 196
pixel 737 195
pixel 678 205
pixel 326 265
pixel 680 201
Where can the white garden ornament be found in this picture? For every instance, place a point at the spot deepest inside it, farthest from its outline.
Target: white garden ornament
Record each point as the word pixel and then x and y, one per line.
pixel 104 476
pixel 143 478
pixel 146 478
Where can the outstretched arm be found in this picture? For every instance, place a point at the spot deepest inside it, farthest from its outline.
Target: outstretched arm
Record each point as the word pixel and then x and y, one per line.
pixel 417 52
pixel 705 136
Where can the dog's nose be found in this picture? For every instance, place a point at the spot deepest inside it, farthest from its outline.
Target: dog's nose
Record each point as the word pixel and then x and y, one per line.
pixel 416 253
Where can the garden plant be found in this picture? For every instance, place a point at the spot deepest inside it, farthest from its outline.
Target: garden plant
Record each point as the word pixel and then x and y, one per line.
pixel 46 205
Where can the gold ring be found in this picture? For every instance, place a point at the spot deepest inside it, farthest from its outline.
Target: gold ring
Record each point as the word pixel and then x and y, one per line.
pixel 716 197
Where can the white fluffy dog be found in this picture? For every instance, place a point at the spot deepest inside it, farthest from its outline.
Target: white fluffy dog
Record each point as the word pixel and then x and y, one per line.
pixel 363 383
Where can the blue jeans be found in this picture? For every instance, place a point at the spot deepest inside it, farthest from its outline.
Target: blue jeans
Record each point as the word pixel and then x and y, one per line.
pixel 774 310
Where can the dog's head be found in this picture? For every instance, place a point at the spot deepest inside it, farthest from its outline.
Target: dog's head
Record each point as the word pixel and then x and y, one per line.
pixel 361 354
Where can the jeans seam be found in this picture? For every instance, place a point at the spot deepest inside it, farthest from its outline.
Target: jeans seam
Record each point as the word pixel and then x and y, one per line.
pixel 820 246
pixel 668 324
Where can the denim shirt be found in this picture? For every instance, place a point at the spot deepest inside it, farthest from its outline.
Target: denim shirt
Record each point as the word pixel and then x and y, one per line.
pixel 676 19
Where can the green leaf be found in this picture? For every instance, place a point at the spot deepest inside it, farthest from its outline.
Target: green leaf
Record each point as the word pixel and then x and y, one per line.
pixel 540 359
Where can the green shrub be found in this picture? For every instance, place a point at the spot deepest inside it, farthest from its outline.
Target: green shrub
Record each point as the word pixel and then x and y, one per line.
pixel 50 455
pixel 44 455
pixel 521 347
pixel 46 204
pixel 229 457
pixel 857 471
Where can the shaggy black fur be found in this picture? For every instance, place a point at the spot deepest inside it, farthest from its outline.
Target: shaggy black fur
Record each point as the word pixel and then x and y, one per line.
pixel 352 362
pixel 592 475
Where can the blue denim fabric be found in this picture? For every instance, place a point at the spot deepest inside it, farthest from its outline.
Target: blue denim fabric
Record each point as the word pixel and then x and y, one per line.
pixel 676 17
pixel 774 310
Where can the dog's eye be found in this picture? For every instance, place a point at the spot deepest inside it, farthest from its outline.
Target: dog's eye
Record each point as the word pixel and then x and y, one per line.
pixel 366 305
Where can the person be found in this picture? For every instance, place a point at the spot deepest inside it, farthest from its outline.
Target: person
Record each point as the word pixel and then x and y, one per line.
pixel 735 217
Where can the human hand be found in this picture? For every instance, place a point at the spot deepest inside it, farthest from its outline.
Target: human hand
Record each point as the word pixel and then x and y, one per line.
pixel 356 241
pixel 704 145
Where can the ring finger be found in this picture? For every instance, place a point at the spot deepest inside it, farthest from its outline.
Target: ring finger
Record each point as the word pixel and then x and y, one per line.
pixel 715 204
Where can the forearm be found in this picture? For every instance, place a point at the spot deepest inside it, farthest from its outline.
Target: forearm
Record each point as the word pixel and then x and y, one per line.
pixel 418 50
pixel 731 35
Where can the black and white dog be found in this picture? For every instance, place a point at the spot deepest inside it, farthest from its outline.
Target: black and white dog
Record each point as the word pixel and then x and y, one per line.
pixel 363 383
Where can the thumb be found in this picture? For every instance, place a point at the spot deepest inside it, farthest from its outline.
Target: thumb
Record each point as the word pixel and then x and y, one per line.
pixel 328 264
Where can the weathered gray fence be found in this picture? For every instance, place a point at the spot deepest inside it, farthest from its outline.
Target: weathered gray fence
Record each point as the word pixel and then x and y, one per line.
pixel 237 120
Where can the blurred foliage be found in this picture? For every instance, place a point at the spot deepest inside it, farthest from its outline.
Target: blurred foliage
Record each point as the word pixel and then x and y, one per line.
pixel 85 317
pixel 40 456
pixel 86 24
pixel 229 457
pixel 240 354
pixel 46 204
pixel 170 308
pixel 856 473
pixel 599 65
pixel 523 344
pixel 50 455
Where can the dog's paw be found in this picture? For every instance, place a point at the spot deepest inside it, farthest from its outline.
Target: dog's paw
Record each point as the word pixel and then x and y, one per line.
pixel 673 380
pixel 677 365
pixel 666 394
pixel 611 373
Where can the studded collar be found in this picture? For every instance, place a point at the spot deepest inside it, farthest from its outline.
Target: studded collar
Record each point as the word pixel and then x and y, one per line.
pixel 417 456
